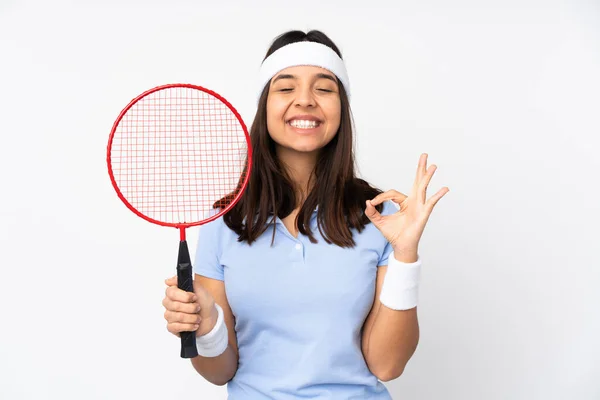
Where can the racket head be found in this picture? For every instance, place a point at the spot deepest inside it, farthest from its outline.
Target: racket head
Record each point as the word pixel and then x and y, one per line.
pixel 159 126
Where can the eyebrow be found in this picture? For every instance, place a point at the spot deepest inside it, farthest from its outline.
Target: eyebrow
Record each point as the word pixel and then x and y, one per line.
pixel 319 76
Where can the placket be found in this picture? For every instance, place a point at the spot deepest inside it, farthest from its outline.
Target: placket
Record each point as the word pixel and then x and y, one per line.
pixel 297 251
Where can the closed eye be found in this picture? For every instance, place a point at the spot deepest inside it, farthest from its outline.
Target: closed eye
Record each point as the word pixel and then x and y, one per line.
pixel 290 89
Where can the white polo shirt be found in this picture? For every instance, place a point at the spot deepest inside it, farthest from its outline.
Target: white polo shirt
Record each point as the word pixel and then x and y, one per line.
pixel 299 308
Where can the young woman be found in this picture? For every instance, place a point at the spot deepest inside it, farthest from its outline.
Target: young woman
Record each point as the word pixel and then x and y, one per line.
pixel 307 288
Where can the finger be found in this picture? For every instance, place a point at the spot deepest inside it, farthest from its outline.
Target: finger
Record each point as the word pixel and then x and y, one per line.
pixel 172 317
pixel 189 308
pixel 176 294
pixel 393 195
pixel 178 327
pixel 436 197
pixel 172 281
pixel 422 193
pixel 372 213
pixel 399 199
pixel 421 168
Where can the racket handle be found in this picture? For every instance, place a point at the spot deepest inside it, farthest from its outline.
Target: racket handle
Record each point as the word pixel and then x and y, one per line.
pixel 186 282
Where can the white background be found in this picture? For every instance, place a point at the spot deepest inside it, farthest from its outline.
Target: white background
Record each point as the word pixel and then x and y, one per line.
pixel 503 95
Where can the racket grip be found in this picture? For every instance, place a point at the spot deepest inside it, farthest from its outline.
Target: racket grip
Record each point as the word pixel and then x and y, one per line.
pixel 186 282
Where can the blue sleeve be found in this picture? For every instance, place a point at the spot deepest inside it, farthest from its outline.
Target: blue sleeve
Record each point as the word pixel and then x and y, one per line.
pixel 208 250
pixel 389 207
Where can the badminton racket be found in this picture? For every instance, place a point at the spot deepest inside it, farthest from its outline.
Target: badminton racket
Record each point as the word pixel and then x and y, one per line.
pixel 179 155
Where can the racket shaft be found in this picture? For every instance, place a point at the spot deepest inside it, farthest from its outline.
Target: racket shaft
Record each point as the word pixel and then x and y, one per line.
pixel 186 282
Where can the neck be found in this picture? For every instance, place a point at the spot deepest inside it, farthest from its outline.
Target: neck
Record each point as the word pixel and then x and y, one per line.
pixel 300 167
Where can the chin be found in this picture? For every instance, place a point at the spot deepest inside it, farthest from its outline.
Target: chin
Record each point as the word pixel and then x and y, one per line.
pixel 301 148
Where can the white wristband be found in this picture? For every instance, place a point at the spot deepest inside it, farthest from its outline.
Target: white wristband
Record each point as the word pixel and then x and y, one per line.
pixel 400 289
pixel 215 342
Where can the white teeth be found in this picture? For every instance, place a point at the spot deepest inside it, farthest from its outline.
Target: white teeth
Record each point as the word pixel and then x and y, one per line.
pixel 297 123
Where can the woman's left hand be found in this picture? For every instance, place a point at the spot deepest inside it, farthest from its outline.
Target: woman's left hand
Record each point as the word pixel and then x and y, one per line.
pixel 404 228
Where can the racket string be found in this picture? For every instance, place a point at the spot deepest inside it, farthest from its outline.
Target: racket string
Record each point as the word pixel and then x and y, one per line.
pixel 176 152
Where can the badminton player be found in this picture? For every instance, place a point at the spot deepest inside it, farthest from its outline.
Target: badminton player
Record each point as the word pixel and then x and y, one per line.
pixel 307 288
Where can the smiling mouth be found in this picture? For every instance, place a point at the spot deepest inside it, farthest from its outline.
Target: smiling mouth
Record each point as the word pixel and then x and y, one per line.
pixel 304 124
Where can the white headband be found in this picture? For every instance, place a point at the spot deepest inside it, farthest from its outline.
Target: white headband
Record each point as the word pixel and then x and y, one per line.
pixel 303 53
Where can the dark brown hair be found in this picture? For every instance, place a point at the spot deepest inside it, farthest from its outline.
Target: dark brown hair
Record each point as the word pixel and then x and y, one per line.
pixel 339 194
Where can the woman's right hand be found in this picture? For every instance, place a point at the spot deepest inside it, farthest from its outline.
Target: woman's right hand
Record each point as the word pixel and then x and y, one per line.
pixel 187 311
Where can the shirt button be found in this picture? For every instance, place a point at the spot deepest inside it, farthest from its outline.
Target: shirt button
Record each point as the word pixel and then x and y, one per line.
pixel 298 246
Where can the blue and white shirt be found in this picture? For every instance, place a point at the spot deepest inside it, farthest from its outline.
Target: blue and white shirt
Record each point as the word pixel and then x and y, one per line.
pixel 299 308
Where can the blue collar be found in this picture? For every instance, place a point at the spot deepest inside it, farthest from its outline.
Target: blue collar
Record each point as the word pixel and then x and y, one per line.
pixel 278 220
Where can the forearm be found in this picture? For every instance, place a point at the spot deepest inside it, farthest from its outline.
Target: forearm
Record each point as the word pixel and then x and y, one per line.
pixel 391 333
pixel 217 359
pixel 390 340
pixel 217 370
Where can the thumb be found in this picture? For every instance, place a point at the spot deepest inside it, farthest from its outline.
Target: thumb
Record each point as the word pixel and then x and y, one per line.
pixel 201 292
pixel 372 213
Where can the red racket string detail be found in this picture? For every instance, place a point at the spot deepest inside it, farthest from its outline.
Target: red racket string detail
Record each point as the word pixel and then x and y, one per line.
pixel 179 155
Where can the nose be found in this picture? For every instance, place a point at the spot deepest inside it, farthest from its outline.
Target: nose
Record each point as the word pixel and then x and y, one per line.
pixel 305 97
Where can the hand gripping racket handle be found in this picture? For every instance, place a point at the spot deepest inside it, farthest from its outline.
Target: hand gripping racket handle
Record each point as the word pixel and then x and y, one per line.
pixel 186 282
